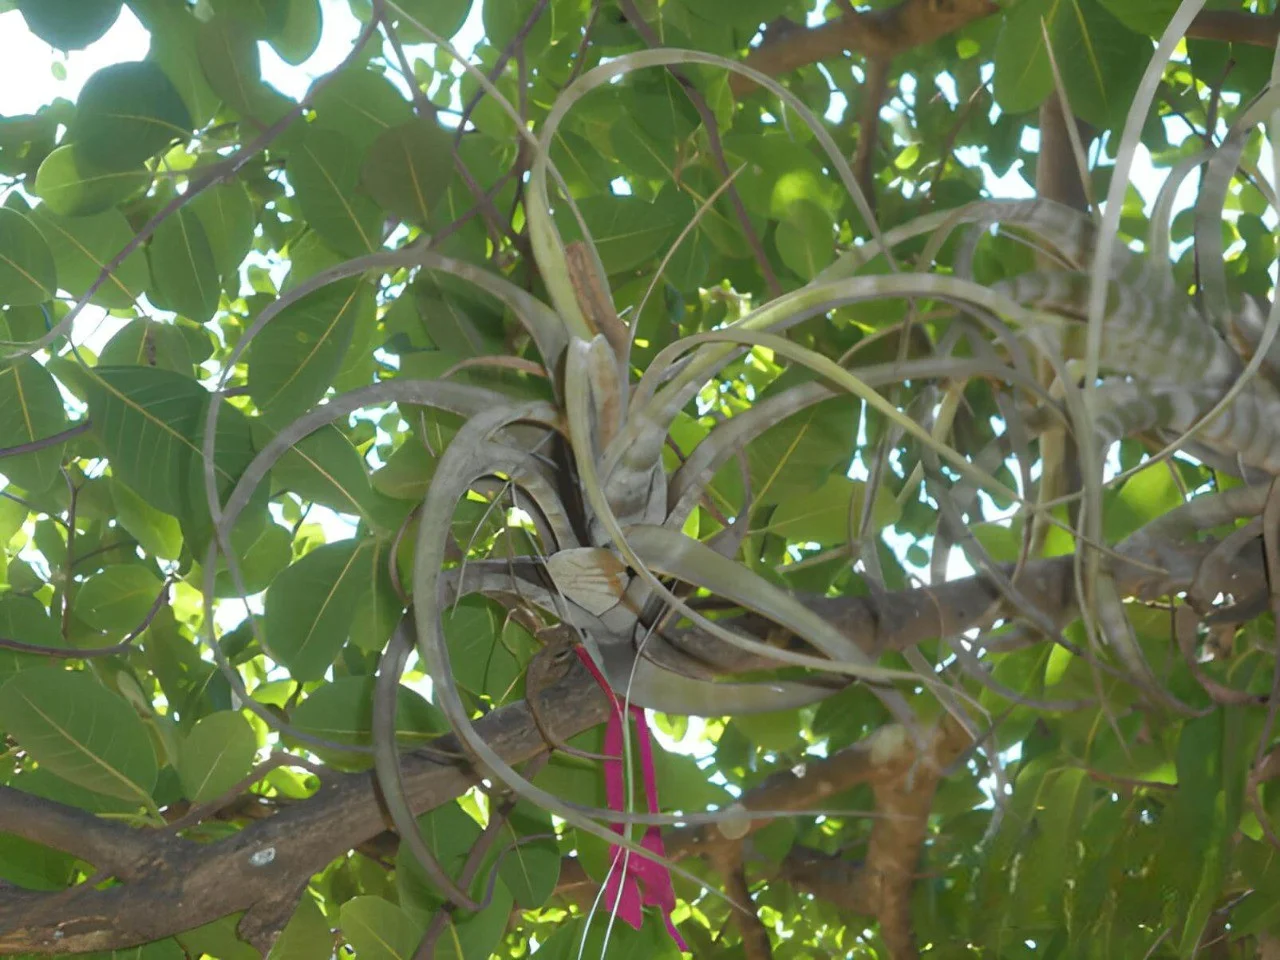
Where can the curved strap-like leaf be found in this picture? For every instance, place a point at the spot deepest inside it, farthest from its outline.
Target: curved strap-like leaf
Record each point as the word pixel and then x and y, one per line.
pixel 1211 201
pixel 469 457
pixel 649 685
pixel 653 410
pixel 547 244
pixel 386 763
pixel 714 450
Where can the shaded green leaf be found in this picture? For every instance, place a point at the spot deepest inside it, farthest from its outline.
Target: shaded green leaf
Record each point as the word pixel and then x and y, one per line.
pixel 117 599
pixel 216 755
pixel 407 169
pixel 70 24
pixel 74 187
pixel 31 409
pixel 294 359
pixel 183 266
pixel 81 731
pixel 127 113
pixel 28 273
pixel 379 930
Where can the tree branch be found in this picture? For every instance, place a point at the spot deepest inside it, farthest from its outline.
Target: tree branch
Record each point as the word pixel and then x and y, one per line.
pixel 187 885
pixel 111 847
pixel 883 34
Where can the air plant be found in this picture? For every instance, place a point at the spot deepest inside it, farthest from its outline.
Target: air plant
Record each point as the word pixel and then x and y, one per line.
pixel 615 565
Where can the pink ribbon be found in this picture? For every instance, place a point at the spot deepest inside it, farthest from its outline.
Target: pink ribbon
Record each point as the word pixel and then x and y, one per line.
pixel 634 881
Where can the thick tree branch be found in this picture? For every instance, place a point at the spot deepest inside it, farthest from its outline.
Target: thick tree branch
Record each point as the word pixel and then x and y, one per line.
pixel 880 34
pixel 913 23
pixel 187 885
pixel 908 618
pixel 109 846
pixel 175 885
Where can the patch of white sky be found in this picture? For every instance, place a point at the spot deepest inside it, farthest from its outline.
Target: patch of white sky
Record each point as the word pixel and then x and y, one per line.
pixel 32 74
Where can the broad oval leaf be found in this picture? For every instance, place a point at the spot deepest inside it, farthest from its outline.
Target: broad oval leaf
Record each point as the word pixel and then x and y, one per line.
pixel 628 231
pixel 28 273
pixel 378 929
pixel 805 239
pixel 78 729
pixel 127 113
pixel 216 755
pixel 150 343
pixel 157 532
pixel 151 424
pixel 83 246
pixel 228 54
pixel 407 169
pixel 228 217
pixel 183 265
pixel 118 599
pixel 70 24
pixel 343 711
pixel 296 356
pixel 325 171
pixel 298 35
pixel 325 468
pixel 72 186
pixel 25 619
pixel 146 419
pixel 310 605
pixel 360 103
pixel 31 408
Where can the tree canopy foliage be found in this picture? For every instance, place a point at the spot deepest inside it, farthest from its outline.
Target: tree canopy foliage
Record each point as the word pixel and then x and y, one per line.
pixel 886 398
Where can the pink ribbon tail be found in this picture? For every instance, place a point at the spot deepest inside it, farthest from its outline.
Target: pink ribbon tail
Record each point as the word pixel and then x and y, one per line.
pixel 643 881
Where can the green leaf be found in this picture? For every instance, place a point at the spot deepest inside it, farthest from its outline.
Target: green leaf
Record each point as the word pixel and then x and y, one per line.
pixel 442 17
pixel 295 358
pixel 25 619
pixel 310 605
pixel 126 114
pixel 805 239
pixel 157 532
pixel 450 835
pixel 261 551
pixel 360 104
pixel 31 408
pixel 75 727
pixel 1149 493
pixel 325 468
pixel 628 231
pixel 228 217
pixel 118 599
pixel 28 273
pixel 617 942
pixel 72 186
pixel 407 169
pixel 379 930
pixel 795 457
pixel 173 47
pixel 1148 17
pixel 183 266
pixel 228 54
pixel 150 343
pixel 151 424
pixel 216 755
pixel 324 170
pixel 531 869
pixel 478 935
pixel 483 663
pixel 343 711
pixel 1100 59
pixel 298 36
pixel 70 24
pixel 82 247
